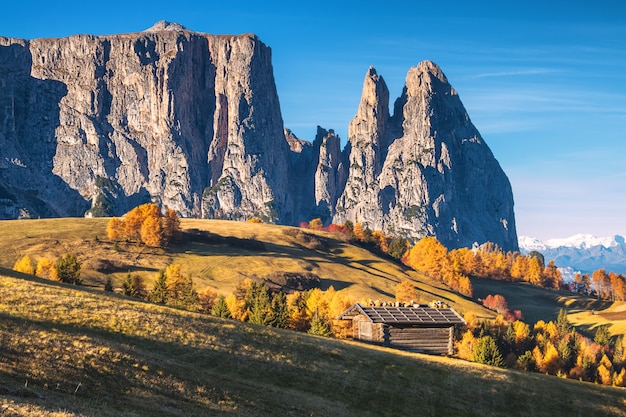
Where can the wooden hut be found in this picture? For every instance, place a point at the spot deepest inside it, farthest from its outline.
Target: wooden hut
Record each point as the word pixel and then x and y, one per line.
pixel 415 328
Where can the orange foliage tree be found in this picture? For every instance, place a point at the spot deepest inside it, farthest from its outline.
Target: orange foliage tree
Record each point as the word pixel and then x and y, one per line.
pixel 405 292
pixel 146 224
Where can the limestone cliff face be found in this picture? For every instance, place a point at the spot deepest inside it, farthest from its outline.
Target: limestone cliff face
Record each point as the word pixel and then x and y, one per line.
pixel 99 124
pixel 186 119
pixel 437 175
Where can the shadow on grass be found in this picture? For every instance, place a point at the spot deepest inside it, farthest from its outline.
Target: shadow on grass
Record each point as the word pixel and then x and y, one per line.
pixel 232 368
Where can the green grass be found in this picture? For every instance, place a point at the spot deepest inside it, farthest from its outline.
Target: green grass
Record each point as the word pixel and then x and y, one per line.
pixel 69 351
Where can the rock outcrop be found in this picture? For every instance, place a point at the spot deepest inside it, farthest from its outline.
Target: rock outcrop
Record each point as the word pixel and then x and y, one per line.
pixel 425 170
pixel 186 119
pixel 99 124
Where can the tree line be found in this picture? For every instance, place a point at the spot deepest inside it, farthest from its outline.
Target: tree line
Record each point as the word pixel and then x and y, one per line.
pixel 553 348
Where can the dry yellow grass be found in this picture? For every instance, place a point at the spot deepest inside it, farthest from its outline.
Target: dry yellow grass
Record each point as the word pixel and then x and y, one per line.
pixel 72 351
pixel 614 317
pixel 350 269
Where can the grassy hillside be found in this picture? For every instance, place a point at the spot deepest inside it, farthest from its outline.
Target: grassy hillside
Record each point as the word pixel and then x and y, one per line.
pixel 542 304
pixel 351 269
pixel 67 351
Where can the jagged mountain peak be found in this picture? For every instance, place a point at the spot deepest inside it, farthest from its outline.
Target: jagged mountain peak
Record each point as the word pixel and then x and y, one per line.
pixel 431 69
pixel 106 123
pixel 164 25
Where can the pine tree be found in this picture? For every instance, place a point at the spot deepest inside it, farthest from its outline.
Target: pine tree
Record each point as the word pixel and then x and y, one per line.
pixel 258 303
pixel 487 352
pixel 108 285
pixel 220 308
pixel 133 286
pixel 562 323
pixel 68 269
pixel 279 311
pixel 398 247
pixel 159 290
pixel 320 326
pixel 603 336
pixel 189 295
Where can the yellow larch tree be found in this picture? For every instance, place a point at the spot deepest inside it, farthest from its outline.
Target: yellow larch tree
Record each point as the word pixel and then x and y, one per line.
pixel 46 269
pixel 24 265
pixel 534 271
pixel 405 292
pixel 358 232
pixel 152 231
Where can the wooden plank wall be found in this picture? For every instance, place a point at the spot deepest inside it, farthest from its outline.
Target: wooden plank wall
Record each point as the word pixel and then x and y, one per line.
pixel 364 329
pixel 436 340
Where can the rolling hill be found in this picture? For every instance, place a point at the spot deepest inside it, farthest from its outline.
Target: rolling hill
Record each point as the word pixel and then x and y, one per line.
pixel 70 351
pixel 239 250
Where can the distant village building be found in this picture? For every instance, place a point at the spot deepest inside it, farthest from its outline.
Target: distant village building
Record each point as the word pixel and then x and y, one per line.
pixel 414 328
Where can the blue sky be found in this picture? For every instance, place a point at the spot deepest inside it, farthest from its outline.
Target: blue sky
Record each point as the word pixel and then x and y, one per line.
pixel 544 82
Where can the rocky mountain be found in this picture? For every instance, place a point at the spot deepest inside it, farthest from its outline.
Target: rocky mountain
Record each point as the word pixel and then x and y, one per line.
pixel 424 169
pixel 583 252
pixel 98 124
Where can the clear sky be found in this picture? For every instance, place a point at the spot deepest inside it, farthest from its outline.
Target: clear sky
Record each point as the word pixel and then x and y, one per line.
pixel 543 81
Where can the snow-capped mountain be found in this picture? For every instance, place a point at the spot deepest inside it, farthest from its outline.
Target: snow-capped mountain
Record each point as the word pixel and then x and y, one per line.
pixel 582 252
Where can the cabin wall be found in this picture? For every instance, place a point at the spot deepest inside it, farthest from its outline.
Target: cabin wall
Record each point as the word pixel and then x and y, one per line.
pixel 364 329
pixel 435 340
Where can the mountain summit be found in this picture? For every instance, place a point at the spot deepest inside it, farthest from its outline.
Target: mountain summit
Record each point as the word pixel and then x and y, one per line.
pixel 98 124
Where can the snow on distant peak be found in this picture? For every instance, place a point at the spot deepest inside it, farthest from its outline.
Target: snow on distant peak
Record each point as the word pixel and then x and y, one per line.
pixel 579 241
pixel 530 243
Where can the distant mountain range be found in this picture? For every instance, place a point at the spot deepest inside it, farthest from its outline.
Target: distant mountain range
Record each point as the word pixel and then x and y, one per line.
pixel 582 252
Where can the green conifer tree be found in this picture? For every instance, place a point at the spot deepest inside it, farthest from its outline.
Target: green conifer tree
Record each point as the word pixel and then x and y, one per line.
pixel 258 303
pixel 68 269
pixel 220 308
pixel 320 326
pixel 487 352
pixel 279 311
pixel 159 293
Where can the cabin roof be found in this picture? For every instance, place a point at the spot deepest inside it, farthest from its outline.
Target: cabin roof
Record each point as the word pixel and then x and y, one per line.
pixel 405 315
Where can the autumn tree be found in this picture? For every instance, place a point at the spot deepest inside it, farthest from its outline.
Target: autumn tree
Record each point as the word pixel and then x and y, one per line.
pixel 316 224
pixel 535 271
pixel 358 232
pixel 115 229
pixel 207 300
pixel 599 278
pixel 24 265
pixel 552 276
pixel 405 292
pixel 146 224
pixel 46 269
pixel 152 231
